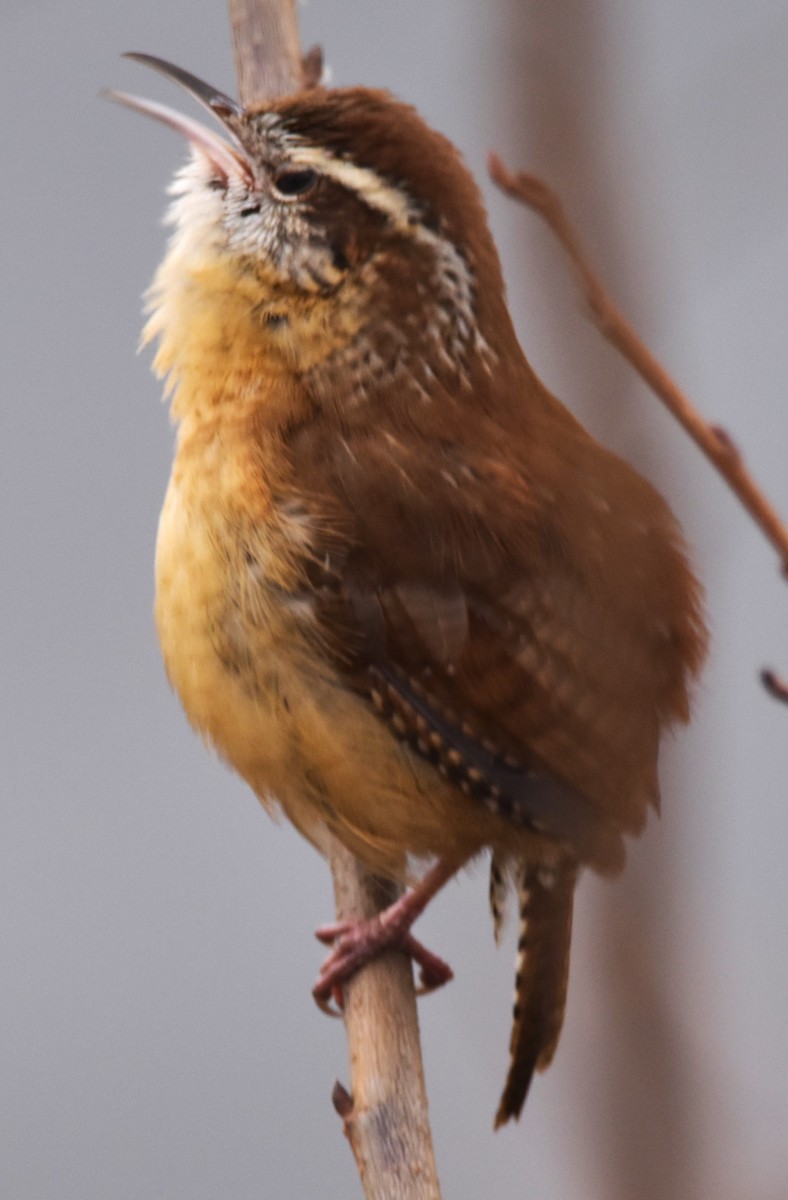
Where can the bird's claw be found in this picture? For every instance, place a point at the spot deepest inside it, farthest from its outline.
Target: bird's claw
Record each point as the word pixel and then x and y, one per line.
pixel 356 943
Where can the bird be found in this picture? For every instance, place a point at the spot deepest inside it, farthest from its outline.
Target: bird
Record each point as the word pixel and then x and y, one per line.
pixel 399 588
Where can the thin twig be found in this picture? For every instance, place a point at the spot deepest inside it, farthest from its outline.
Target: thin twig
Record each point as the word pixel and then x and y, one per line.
pixel 715 442
pixel 385 1118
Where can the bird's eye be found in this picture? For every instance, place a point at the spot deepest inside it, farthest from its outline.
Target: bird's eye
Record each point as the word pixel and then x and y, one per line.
pixel 295 181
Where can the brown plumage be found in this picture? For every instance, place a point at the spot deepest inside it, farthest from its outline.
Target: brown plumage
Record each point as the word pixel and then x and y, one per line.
pixel 399 587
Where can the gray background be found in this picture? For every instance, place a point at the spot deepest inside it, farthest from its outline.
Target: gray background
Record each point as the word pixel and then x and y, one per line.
pixel 158 1037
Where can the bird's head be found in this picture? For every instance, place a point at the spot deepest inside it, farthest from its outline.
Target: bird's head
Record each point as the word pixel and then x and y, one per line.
pixel 342 210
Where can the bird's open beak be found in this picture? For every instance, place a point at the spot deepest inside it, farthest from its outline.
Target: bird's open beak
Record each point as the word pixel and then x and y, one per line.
pixel 230 161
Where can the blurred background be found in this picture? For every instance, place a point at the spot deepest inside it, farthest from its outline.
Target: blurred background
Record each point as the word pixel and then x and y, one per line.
pixel 159 1040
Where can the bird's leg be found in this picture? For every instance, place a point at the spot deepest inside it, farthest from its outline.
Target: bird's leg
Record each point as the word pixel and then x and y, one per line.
pixel 357 942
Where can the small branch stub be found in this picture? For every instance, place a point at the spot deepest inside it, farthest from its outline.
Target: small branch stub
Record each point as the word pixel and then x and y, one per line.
pixel 775 686
pixel 342 1100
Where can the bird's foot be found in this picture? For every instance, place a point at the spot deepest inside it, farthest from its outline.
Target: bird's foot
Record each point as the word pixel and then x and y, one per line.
pixel 356 943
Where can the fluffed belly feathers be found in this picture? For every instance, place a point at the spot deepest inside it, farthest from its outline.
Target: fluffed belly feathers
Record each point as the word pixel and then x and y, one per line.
pixel 239 651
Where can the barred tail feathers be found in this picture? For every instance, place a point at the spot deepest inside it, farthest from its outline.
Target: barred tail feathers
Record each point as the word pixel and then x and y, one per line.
pixel 545 896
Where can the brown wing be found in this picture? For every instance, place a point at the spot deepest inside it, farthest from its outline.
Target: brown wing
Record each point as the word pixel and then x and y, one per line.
pixel 518 594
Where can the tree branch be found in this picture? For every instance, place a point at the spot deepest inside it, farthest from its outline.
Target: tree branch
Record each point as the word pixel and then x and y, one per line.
pixel 717 445
pixel 385 1119
pixel 266 49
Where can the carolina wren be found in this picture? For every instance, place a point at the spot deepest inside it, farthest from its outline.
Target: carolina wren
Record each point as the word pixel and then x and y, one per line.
pixel 399 588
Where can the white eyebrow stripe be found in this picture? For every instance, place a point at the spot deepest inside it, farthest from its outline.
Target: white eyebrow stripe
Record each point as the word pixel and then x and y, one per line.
pixel 366 183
